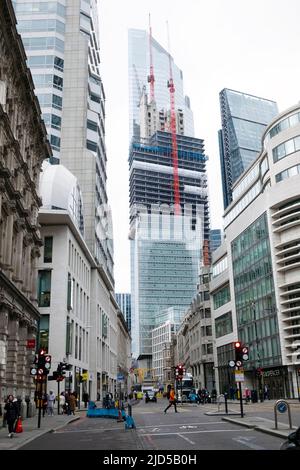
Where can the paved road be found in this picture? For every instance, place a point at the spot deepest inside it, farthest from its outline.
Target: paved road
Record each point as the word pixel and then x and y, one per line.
pixel 190 429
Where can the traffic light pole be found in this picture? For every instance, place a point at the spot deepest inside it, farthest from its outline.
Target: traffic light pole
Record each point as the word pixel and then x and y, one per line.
pixel 40 399
pixel 241 399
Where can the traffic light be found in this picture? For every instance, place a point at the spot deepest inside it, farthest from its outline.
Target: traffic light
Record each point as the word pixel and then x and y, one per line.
pixel 179 371
pixel 238 353
pixel 44 363
pixel 241 354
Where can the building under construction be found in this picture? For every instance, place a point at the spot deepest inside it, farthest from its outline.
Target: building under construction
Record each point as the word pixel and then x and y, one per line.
pixel 169 216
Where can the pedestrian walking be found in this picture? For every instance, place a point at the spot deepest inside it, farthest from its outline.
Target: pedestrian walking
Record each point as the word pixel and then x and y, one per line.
pixel 72 404
pixel 62 402
pixel 85 398
pixel 51 401
pixel 11 414
pixel 172 401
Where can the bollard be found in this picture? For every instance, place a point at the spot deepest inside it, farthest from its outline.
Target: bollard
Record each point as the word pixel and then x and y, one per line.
pixel 226 404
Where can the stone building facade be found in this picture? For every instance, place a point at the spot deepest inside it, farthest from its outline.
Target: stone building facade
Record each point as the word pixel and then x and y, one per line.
pixel 23 146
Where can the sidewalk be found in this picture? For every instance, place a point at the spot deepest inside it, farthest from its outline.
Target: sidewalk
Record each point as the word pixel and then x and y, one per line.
pixel 31 431
pixel 262 424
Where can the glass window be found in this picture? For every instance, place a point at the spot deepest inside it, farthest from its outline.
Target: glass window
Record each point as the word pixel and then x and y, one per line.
pixel 93 126
pixel 222 297
pixel 58 63
pixel 48 246
pixel 57 82
pixel 55 121
pixel 40 25
pixel 223 325
pixel 44 288
pixel 44 332
pixel 91 146
pixel 55 142
pixel 57 101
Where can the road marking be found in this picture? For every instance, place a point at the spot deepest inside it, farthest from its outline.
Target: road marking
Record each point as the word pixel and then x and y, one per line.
pixel 88 430
pixel 188 427
pixel 197 432
pixel 246 443
pixel 180 424
pixel 187 439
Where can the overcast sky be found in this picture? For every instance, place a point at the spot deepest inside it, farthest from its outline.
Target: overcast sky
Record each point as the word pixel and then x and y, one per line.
pixel 250 46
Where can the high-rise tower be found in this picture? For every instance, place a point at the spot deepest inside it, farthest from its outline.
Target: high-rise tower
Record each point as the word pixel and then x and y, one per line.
pixel 244 120
pixel 139 66
pixel 61 39
pixel 166 245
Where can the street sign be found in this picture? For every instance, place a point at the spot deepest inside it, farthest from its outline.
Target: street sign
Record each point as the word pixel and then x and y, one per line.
pixel 245 355
pixel 33 371
pixel 282 407
pixel 30 344
pixel 239 376
pixel 238 363
pixel 231 363
pixel 85 376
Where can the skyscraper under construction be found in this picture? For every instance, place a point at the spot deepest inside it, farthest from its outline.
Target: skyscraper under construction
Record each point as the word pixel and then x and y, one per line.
pixel 166 245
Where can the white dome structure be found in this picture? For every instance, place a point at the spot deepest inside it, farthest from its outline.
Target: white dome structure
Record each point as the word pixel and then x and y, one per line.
pixel 59 190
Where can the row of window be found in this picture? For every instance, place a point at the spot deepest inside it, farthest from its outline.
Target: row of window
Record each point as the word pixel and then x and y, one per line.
pixel 25 26
pixel 286 148
pixel 220 267
pixel 286 123
pixel 221 297
pixel 77 265
pixel 223 325
pixel 42 43
pixel 52 120
pixel 40 7
pixel 46 80
pixel 292 171
pixel 47 100
pixel 243 203
pixel 46 61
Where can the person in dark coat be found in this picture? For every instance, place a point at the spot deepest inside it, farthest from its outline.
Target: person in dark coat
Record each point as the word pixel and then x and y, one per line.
pixel 85 398
pixel 11 414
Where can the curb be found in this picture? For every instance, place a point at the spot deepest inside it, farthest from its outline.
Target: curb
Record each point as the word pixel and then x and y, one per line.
pixel 46 431
pixel 273 432
pixel 240 423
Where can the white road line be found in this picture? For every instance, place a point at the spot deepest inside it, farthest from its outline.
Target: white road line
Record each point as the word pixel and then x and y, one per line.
pixel 182 424
pixel 196 432
pixel 88 430
pixel 187 439
pixel 247 443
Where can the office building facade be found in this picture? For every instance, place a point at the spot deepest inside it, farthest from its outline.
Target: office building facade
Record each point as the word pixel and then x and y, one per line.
pixel 244 119
pixel 255 285
pixel 61 40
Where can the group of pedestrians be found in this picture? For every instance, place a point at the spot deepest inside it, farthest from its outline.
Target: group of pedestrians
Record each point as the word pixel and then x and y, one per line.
pixel 67 403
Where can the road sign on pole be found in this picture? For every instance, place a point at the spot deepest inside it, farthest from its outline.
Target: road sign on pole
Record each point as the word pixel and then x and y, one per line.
pixel 239 376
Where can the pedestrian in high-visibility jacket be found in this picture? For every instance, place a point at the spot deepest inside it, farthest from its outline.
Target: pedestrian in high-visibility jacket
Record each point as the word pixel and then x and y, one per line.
pixel 172 400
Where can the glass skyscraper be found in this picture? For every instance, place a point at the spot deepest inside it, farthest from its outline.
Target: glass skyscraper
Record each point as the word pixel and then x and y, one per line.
pixel 139 66
pixel 124 302
pixel 244 119
pixel 165 248
pixel 61 40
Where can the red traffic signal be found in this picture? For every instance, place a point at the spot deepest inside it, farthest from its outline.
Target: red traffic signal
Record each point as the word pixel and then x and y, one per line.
pixel 237 345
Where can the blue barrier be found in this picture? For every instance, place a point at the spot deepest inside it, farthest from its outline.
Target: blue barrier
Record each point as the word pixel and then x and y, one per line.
pixel 104 413
pixel 129 422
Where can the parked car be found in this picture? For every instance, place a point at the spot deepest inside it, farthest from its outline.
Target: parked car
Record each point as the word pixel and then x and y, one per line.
pixel 150 395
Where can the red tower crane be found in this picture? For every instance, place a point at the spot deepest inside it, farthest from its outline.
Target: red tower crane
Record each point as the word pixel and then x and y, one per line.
pixel 174 137
pixel 151 78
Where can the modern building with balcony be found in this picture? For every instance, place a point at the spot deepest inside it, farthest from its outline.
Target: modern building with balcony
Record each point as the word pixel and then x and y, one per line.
pixel 261 262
